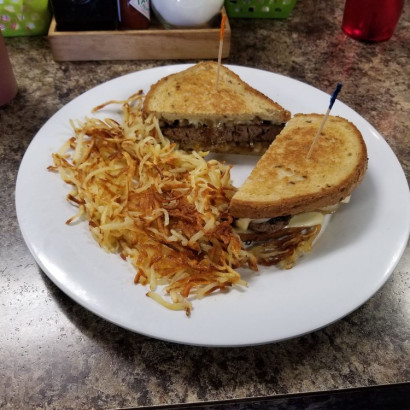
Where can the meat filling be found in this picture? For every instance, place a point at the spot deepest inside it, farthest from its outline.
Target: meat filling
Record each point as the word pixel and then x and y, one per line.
pixel 272 225
pixel 222 137
pixel 264 230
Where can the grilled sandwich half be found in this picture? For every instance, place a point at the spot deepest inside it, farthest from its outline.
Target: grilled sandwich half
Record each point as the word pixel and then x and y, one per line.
pixel 280 208
pixel 198 115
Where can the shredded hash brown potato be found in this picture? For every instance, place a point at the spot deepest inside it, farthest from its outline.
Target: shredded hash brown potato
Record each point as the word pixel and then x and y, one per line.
pixel 285 247
pixel 163 209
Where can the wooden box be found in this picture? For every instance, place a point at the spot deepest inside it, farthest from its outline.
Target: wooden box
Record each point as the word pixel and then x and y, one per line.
pixel 156 43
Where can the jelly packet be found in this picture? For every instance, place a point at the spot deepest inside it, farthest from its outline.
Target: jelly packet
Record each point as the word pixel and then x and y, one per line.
pixel 24 17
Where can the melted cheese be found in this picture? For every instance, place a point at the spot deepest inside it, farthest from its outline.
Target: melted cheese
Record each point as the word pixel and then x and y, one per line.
pixel 301 220
pixel 306 219
pixel 242 223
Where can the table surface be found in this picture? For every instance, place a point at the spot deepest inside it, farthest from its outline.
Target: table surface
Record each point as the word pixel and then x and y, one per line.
pixel 56 354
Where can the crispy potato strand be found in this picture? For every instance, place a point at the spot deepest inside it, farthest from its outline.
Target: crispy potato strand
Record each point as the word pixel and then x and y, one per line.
pixel 163 209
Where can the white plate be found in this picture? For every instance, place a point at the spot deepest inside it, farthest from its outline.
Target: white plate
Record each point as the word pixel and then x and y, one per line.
pixel 352 259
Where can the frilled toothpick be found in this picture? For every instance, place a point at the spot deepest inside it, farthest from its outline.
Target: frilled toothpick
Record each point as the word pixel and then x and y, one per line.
pixel 319 131
pixel 221 42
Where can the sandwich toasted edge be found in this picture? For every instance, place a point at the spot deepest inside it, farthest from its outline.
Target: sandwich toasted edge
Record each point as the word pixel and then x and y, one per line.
pixel 240 208
pixel 280 114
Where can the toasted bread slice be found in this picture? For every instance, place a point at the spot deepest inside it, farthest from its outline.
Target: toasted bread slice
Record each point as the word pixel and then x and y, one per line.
pixel 192 95
pixel 286 182
pixel 192 110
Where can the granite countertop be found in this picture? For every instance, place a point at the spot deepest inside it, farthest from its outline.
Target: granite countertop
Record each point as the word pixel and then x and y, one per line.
pixel 56 354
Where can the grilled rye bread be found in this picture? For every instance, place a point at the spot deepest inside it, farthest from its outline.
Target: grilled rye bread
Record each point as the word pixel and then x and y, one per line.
pixel 281 206
pixel 233 118
pixel 286 182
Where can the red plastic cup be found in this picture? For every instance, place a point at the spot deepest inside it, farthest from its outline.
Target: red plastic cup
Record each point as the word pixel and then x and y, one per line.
pixel 371 20
pixel 8 84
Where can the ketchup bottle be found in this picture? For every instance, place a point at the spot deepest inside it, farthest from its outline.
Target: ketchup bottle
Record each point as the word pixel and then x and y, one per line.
pixel 134 14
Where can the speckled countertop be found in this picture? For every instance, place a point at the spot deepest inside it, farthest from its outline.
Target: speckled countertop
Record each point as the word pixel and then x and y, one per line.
pixel 55 354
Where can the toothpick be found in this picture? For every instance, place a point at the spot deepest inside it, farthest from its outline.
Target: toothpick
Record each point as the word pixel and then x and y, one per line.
pixel 221 42
pixel 319 131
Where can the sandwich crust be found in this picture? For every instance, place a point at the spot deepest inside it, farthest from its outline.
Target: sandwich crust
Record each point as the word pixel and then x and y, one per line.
pixel 191 95
pixel 286 182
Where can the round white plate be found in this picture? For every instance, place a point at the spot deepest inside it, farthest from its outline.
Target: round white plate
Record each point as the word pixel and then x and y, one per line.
pixel 351 260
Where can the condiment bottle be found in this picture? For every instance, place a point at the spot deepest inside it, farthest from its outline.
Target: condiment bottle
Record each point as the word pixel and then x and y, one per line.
pixel 8 83
pixel 134 14
pixel 80 15
pixel 371 20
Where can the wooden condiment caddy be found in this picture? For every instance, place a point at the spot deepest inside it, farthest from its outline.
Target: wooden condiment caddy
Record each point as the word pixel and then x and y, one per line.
pixel 155 43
